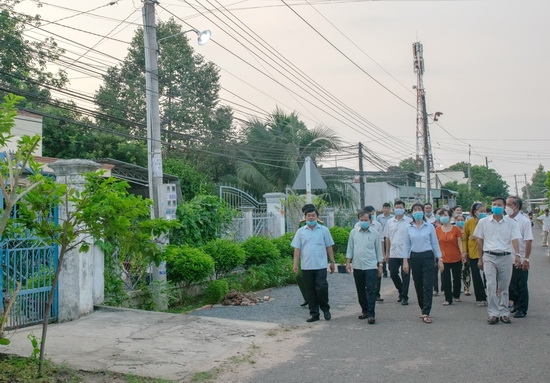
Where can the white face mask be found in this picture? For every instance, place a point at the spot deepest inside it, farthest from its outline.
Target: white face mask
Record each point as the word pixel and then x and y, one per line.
pixel 509 210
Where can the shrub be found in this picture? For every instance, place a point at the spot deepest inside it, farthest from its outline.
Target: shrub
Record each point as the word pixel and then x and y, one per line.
pixel 216 291
pixel 227 255
pixel 283 244
pixel 340 236
pixel 259 250
pixel 187 265
pixel 273 274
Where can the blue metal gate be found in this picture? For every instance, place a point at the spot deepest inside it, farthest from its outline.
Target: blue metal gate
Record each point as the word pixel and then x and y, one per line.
pixel 32 263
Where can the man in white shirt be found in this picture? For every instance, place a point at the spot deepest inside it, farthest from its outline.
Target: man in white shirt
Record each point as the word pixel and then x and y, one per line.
pixel 494 235
pixel 395 248
pixel 428 213
pixel 544 219
pixel 378 227
pixel 383 219
pixel 519 292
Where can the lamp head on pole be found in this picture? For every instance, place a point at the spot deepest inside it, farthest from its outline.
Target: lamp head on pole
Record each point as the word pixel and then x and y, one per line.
pixel 204 36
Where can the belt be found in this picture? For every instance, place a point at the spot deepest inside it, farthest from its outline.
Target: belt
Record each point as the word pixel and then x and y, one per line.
pixel 498 254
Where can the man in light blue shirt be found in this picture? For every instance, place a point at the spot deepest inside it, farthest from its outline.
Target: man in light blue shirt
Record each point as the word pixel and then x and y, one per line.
pixel 365 253
pixel 312 244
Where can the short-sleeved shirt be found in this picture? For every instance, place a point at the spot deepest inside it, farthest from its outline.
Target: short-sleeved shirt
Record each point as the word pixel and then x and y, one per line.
pixel 497 235
pixel 313 245
pixel 364 248
pixel 448 242
pixel 394 230
pixel 375 225
pixel 470 245
pixel 524 226
pixel 545 219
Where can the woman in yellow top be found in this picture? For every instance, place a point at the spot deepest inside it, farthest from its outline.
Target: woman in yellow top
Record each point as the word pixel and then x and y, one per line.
pixel 469 247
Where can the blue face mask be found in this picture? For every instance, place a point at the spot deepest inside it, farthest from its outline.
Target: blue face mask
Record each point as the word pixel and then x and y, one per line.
pixel 399 211
pixel 312 223
pixel 418 215
pixel 482 215
pixel 460 224
pixel 497 210
pixel 445 219
pixel 437 217
pixel 429 214
pixel 365 225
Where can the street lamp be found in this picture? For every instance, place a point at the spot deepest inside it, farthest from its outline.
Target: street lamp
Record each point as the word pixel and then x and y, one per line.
pixel 154 143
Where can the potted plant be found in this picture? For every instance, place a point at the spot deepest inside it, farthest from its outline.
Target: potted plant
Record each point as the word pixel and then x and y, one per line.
pixel 340 259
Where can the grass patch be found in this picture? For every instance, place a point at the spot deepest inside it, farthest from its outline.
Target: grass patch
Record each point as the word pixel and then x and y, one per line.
pixel 25 370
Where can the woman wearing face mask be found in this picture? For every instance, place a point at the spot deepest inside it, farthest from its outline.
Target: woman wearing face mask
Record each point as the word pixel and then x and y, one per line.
pixel 469 248
pixel 460 221
pixel 421 246
pixel 450 242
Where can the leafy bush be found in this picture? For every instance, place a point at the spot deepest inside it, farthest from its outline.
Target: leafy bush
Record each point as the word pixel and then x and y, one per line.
pixel 340 235
pixel 202 219
pixel 227 255
pixel 272 274
pixel 216 291
pixel 283 244
pixel 340 258
pixel 187 265
pixel 259 250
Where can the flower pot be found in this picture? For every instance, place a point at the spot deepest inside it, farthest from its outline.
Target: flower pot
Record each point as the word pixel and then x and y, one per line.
pixel 341 269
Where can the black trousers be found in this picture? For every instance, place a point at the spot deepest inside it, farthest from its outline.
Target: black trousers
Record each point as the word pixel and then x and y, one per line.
pixel 477 279
pixel 316 290
pixel 422 269
pixel 518 290
pixel 365 281
pixel 402 282
pixel 451 280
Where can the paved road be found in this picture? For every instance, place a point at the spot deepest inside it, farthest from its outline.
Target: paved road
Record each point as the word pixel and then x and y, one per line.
pixel 459 346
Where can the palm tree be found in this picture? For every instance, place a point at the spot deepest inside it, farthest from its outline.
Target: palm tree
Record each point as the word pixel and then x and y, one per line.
pixel 273 151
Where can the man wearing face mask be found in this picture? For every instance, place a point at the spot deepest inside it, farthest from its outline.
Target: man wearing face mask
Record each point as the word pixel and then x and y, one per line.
pixel 369 209
pixel 395 248
pixel 312 245
pixel 365 252
pixel 519 292
pixel 495 235
pixel 428 213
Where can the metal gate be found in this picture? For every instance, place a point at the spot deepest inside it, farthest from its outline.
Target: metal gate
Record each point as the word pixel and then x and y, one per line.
pixel 32 263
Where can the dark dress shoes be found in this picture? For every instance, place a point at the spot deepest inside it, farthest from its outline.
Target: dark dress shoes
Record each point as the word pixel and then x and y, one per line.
pixel 327 315
pixel 405 302
pixel 520 314
pixel 363 316
pixel 313 318
pixel 304 304
pixel 371 320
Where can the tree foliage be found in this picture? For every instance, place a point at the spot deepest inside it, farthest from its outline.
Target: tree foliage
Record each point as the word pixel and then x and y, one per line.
pixel 192 122
pixel 202 220
pixel 537 186
pixel 227 255
pixel 23 62
pixel 273 151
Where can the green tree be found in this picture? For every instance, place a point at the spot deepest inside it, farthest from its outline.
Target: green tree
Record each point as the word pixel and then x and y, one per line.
pixel 273 151
pixel 104 212
pixel 488 181
pixel 23 62
pixel 193 124
pixel 537 186
pixel 403 174
pixel 465 197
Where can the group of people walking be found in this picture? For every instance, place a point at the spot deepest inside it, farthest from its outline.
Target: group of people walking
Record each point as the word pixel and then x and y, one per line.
pixel 491 250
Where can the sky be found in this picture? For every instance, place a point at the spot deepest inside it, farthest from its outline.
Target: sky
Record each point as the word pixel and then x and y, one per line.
pixel 348 65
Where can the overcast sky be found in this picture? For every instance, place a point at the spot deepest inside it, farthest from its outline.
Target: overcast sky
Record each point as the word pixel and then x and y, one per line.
pixel 486 68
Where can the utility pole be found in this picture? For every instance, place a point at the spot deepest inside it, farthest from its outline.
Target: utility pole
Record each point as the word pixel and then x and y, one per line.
pixel 486 162
pixel 516 182
pixel 154 148
pixel 528 193
pixel 469 167
pixel 361 178
pixel 422 131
